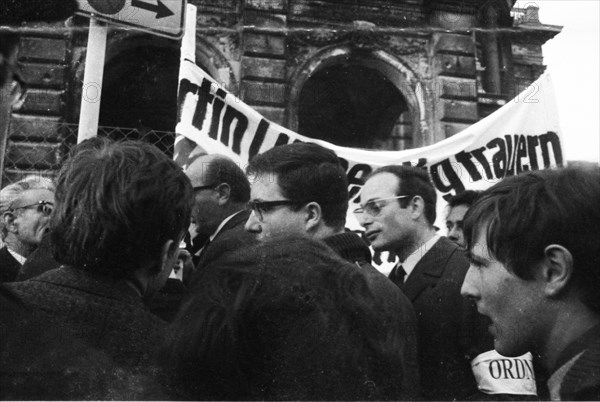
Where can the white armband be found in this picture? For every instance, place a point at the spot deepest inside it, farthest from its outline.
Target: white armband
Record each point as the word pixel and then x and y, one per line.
pixel 497 374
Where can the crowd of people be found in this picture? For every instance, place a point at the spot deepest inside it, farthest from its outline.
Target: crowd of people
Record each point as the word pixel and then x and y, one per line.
pixel 127 277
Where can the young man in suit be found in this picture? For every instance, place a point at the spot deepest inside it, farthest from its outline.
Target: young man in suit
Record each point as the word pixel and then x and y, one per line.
pixel 535 272
pixel 398 210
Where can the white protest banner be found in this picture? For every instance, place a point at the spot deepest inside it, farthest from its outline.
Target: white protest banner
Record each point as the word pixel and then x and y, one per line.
pixel 522 135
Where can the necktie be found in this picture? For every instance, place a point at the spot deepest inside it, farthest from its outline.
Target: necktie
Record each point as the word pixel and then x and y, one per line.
pixel 397 275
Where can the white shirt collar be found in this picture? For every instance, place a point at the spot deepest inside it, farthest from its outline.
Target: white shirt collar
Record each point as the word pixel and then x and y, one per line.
pixel 223 223
pixel 412 260
pixel 20 259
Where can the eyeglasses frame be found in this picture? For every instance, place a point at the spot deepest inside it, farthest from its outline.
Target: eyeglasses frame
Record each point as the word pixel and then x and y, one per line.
pixel 361 210
pixel 256 206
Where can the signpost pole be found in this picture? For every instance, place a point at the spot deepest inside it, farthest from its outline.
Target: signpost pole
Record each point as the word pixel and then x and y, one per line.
pixel 92 81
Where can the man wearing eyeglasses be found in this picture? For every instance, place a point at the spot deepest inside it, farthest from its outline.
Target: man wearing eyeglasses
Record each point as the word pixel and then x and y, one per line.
pixel 301 190
pixel 221 191
pixel 398 209
pixel 25 208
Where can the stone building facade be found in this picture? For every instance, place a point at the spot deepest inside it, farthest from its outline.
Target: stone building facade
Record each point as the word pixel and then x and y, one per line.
pixel 375 74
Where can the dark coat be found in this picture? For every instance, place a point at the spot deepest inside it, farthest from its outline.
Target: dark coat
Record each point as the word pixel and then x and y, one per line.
pixel 451 332
pixel 9 267
pixel 230 238
pixel 582 380
pixel 40 261
pixel 396 305
pixel 107 314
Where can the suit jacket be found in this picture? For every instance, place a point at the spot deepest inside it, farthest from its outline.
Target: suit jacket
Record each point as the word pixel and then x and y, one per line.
pixel 107 314
pixel 9 267
pixel 230 238
pixel 451 332
pixel 394 304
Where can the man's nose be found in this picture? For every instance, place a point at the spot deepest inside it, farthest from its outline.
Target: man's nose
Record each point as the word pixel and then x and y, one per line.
pixel 453 234
pixel 469 288
pixel 364 219
pixel 252 224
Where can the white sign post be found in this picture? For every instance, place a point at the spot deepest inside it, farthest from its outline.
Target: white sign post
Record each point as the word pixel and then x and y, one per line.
pixel 92 81
pixel 158 17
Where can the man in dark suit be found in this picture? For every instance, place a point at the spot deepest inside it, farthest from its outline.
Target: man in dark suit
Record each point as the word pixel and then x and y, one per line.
pixel 120 215
pixel 301 190
pixel 25 208
pixel 398 211
pixel 221 191
pixel 535 272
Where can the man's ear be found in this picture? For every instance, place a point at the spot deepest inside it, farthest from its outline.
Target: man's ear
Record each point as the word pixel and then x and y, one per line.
pixel 314 216
pixel 557 269
pixel 168 253
pixel 416 206
pixel 224 193
pixel 9 218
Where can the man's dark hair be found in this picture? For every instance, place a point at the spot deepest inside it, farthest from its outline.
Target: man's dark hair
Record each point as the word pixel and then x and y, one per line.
pixel 305 173
pixel 224 170
pixel 116 206
pixel 413 181
pixel 466 197
pixel 287 320
pixel 526 213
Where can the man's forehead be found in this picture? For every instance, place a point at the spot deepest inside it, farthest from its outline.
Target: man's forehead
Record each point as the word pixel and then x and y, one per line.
pixel 381 185
pixel 265 187
pixel 479 247
pixel 34 195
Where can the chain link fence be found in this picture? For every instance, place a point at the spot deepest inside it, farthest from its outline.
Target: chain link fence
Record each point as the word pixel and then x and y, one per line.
pixel 38 146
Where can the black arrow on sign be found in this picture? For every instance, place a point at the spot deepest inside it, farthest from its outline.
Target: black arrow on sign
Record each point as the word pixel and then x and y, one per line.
pixel 160 9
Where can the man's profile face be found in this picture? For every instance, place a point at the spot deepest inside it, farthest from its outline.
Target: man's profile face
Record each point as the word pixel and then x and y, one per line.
pixel 514 305
pixel 454 224
pixel 31 216
pixel 276 222
pixel 391 228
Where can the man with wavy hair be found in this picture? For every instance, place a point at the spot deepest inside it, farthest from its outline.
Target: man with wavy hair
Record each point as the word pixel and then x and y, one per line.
pixel 120 214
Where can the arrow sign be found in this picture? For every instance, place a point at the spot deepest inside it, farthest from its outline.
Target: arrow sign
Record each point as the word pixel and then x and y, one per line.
pixel 160 9
pixel 159 17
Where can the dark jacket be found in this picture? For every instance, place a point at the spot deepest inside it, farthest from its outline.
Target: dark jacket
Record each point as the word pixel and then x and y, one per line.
pixel 107 314
pixel 40 261
pixel 231 237
pixel 350 247
pixel 9 267
pixel 582 381
pixel 450 331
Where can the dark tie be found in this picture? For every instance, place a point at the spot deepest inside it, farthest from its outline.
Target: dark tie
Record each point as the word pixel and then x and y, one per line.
pixel 397 276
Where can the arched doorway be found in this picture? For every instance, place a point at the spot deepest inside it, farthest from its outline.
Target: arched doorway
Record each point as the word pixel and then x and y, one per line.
pixel 356 106
pixel 140 91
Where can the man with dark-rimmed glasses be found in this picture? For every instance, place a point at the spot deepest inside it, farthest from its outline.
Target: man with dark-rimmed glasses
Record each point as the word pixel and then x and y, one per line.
pixel 301 190
pixel 25 208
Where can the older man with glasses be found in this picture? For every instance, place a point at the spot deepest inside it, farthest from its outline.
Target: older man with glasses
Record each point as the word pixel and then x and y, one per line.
pixel 25 208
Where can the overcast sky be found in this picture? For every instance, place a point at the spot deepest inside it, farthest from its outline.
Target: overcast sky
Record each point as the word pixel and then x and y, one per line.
pixel 573 59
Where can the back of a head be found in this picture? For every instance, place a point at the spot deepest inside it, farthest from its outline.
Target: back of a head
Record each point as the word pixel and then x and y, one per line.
pixel 306 172
pixel 413 181
pixel 466 197
pixel 116 206
pixel 524 214
pixel 284 321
